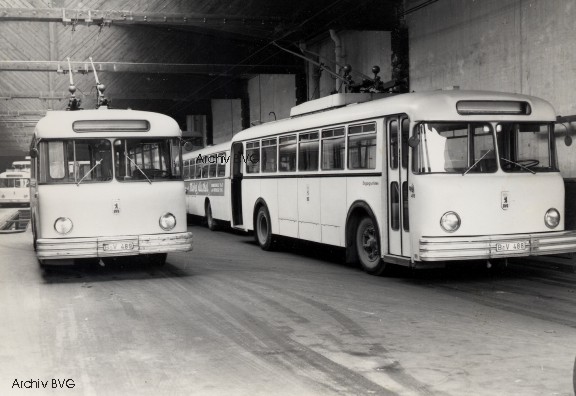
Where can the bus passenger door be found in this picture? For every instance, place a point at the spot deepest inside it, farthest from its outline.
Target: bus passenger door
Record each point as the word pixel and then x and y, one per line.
pixel 236 183
pixel 398 129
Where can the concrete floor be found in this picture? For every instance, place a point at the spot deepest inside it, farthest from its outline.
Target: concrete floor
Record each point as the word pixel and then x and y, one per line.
pixel 230 319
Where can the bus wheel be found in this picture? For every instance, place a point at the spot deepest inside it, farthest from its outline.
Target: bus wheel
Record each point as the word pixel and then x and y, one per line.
pixel 368 247
pixel 157 259
pixel 212 225
pixel 263 229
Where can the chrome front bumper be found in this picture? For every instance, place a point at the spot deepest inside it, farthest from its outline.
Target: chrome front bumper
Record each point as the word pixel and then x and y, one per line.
pixel 496 246
pixel 95 247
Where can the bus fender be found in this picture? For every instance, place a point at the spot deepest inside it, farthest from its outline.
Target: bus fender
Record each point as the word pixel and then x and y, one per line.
pixel 352 219
pixel 259 202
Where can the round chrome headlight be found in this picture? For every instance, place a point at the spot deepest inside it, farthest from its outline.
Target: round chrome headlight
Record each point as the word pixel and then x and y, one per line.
pixel 63 225
pixel 552 218
pixel 450 221
pixel 167 221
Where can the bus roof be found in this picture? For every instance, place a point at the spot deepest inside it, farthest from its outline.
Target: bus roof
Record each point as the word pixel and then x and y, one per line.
pixel 421 106
pixel 59 124
pixel 217 148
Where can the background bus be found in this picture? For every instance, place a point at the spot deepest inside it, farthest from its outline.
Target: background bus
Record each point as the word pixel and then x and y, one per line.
pixel 107 184
pixel 412 179
pixel 14 187
pixel 207 178
pixel 22 165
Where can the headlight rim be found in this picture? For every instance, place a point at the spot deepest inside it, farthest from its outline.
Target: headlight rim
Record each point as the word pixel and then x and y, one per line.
pixel 63 219
pixel 458 224
pixel 165 215
pixel 547 216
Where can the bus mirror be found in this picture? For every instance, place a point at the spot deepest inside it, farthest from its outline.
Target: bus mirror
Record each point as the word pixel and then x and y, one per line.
pixel 188 146
pixel 414 141
pixel 34 152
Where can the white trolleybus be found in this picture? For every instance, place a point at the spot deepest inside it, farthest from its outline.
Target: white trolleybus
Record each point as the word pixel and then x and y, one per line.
pixel 414 179
pixel 15 184
pixel 207 179
pixel 105 184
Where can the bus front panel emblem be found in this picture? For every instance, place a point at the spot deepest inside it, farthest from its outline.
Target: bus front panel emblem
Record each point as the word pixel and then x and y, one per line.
pixel 116 206
pixel 505 203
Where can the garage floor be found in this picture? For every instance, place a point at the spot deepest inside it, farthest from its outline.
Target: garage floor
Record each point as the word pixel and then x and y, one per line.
pixel 230 319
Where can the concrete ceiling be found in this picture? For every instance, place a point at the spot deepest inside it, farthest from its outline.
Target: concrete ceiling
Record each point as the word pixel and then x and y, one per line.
pixel 170 56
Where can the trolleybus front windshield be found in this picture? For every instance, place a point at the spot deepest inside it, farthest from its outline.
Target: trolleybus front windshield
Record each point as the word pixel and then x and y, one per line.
pixel 455 147
pixel 145 159
pixel 75 161
pixel 526 147
pixel 451 147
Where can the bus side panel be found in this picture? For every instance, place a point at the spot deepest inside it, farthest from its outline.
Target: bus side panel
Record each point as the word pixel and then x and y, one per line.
pixel 269 193
pixel 194 202
pixel 250 194
pixel 369 189
pixel 223 211
pixel 309 209
pixel 288 207
pixel 333 210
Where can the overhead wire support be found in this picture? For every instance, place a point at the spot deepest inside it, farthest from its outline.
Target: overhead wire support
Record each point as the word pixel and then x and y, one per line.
pixel 319 64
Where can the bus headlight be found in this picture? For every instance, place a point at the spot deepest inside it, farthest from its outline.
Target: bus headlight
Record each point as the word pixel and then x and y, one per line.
pixel 552 218
pixel 450 221
pixel 63 225
pixel 167 221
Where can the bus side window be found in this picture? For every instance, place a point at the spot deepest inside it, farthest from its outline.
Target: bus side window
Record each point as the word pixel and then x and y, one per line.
pixel 186 169
pixel 308 152
pixel 213 164
pixel 362 146
pixel 56 160
pixel 205 169
pixel 393 134
pixel 287 154
pixel 405 132
pixel 221 172
pixel 269 155
pixel 198 170
pixel 333 143
pixel 252 157
pixel 192 169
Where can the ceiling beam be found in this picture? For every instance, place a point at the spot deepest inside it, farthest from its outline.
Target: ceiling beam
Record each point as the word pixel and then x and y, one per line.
pixel 116 95
pixel 70 16
pixel 166 68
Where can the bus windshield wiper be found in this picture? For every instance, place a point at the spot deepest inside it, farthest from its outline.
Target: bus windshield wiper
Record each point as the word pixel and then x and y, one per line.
pixel 520 165
pixel 137 167
pixel 88 173
pixel 476 163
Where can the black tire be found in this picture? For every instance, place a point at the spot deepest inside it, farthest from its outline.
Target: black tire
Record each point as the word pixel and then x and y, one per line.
pixel 210 222
pixel 263 229
pixel 367 242
pixel 157 259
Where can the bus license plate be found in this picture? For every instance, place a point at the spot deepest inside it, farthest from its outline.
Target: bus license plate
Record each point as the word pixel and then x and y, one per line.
pixel 119 246
pixel 511 247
